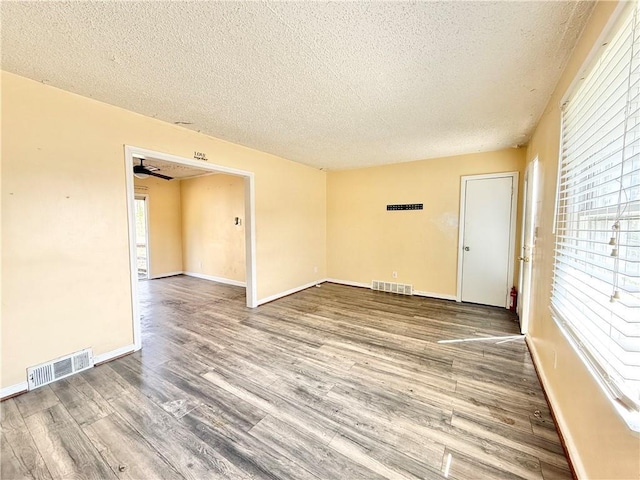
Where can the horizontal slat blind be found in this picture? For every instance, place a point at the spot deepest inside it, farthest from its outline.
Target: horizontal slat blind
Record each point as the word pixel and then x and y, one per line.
pixel 596 281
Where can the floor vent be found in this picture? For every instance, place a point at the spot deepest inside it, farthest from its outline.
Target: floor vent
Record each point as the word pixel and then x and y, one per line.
pixel 61 367
pixel 392 287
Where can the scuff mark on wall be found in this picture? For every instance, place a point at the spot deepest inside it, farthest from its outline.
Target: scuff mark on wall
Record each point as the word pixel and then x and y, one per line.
pixel 447 223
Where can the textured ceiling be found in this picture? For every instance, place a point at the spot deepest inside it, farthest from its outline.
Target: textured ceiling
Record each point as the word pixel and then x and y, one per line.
pixel 330 84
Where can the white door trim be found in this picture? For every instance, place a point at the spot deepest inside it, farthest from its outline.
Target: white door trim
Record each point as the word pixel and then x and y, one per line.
pixel 250 224
pixel 512 233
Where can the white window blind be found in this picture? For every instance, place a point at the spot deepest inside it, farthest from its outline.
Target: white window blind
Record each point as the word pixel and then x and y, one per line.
pixel 596 281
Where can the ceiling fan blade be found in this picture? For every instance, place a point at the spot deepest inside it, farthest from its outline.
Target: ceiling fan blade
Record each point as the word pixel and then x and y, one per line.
pixel 159 175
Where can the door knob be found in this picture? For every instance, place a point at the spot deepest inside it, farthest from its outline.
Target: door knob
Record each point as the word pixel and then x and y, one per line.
pixel 524 259
pixel 466 249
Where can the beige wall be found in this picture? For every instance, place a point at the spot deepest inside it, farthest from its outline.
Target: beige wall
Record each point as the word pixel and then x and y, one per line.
pixel 191 225
pixel 165 224
pixel 365 242
pixel 212 244
pixel 65 246
pixel 601 445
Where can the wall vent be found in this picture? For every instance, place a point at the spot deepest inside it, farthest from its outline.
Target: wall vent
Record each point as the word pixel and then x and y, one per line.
pixel 46 373
pixel 392 287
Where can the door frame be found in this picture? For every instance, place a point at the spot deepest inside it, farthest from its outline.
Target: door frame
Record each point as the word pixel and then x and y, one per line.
pixel 512 231
pixel 145 197
pixel 131 152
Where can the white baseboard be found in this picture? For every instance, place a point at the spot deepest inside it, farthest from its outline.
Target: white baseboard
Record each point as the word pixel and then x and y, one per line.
pixel 289 292
pixel 561 423
pixel 441 296
pixel 228 281
pixel 349 283
pixel 168 274
pixel 13 390
pixel 118 352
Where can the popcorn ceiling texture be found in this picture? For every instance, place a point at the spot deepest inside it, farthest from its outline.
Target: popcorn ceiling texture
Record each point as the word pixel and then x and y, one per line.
pixel 332 85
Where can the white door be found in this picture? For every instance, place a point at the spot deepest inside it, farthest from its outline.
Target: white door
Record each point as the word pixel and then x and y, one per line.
pixel 528 243
pixel 487 239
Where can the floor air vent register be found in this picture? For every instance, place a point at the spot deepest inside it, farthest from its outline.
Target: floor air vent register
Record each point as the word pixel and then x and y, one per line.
pixel 62 367
pixel 392 287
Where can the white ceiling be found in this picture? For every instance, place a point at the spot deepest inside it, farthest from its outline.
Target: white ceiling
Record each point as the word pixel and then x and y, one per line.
pixel 329 84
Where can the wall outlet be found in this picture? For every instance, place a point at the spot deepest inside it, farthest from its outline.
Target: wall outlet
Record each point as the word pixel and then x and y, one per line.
pixel 394 274
pixel 315 269
pixel 555 359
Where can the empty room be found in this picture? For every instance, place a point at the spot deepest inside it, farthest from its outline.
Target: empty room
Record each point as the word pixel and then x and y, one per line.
pixel 320 240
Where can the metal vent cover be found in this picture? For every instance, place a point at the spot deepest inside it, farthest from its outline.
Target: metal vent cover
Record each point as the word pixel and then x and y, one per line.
pixel 82 360
pixel 49 372
pixel 62 368
pixel 392 287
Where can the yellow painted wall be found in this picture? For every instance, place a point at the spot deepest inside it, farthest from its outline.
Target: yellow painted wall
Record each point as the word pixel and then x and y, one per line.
pixel 212 243
pixel 65 246
pixel 366 242
pixel 165 224
pixel 600 443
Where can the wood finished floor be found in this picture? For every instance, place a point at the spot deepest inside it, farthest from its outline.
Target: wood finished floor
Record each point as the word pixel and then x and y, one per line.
pixel 330 383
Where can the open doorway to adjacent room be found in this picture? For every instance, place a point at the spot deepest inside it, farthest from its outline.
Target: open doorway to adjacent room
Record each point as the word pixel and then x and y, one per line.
pixel 188 218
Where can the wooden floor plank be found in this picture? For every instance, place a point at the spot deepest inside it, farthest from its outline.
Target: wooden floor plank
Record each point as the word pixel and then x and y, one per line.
pixel 66 450
pixel 268 402
pixel 234 409
pixel 471 406
pixel 465 467
pixel 170 397
pixel 191 457
pixel 109 385
pixel 317 457
pixel 251 454
pixel 20 442
pixel 81 400
pixel 10 465
pixel 129 456
pixel 361 455
pixel 36 401
pixel 536 447
pixel 329 383
pixel 554 472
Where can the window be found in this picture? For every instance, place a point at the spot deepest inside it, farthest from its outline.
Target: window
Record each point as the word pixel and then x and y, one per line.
pixel 596 282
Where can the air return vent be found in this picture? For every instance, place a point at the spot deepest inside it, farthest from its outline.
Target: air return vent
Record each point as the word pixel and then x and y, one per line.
pixel 61 367
pixel 392 287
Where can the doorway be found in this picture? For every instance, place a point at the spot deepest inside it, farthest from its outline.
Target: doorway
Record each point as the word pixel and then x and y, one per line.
pixel 529 228
pixel 486 240
pixel 142 237
pixel 132 153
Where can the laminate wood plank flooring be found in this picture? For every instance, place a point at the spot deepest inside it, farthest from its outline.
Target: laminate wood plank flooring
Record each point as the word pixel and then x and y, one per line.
pixel 330 383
